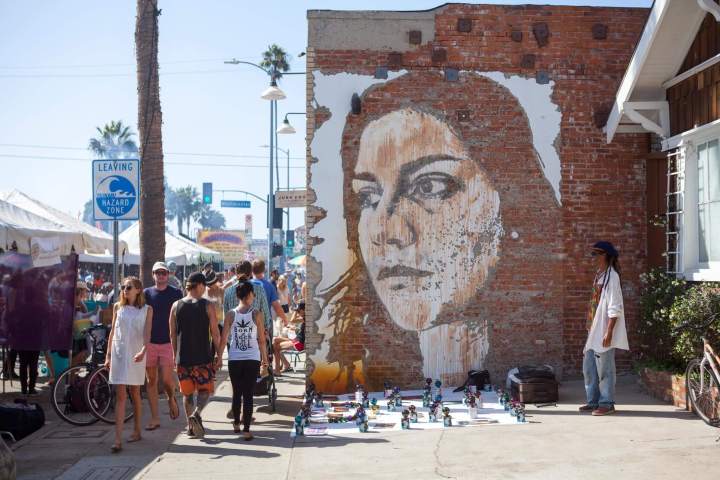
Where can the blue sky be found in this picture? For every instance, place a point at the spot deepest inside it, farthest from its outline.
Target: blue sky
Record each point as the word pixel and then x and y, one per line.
pixel 67 67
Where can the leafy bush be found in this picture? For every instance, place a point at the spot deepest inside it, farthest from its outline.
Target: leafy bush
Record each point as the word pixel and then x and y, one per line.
pixel 689 316
pixel 659 292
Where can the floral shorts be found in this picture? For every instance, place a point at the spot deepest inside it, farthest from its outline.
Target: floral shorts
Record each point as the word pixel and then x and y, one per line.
pixel 198 378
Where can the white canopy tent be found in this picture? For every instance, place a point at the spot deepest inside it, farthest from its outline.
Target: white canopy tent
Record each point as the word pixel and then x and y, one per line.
pixel 179 250
pixel 94 240
pixel 20 226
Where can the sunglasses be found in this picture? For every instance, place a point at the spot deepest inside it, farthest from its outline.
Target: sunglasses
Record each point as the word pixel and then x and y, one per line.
pixel 126 287
pixel 597 254
pixel 161 273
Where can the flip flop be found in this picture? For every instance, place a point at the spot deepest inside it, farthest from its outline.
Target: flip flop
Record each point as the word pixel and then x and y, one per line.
pixel 116 449
pixel 174 409
pixel 150 428
pixel 133 439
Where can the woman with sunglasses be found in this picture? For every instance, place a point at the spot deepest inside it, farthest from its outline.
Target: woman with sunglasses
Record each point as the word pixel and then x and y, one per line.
pixel 129 336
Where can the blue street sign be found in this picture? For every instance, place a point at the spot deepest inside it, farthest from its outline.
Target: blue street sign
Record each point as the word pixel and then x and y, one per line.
pixel 116 189
pixel 235 203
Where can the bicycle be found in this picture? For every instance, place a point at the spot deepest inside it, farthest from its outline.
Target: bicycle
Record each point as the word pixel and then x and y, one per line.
pixel 82 395
pixel 702 379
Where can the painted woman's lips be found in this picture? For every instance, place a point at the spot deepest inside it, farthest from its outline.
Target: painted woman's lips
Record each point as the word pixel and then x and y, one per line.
pixel 401 271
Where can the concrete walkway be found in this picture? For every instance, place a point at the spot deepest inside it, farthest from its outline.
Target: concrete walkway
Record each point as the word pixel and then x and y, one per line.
pixel 645 439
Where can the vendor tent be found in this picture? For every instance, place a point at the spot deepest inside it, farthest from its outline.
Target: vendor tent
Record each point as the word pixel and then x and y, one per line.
pixel 20 226
pixel 179 250
pixel 94 240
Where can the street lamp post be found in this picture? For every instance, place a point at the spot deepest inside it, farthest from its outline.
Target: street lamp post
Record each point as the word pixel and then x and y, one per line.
pixel 273 94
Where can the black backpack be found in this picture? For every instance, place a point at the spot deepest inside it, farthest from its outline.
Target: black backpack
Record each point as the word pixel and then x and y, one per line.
pixel 479 378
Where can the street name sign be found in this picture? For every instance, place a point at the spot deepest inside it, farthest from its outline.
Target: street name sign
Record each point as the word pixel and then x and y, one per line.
pixel 116 189
pixel 235 203
pixel 290 198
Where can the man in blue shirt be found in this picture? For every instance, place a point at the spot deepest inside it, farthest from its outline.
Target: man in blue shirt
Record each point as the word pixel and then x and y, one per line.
pixel 258 269
pixel 160 297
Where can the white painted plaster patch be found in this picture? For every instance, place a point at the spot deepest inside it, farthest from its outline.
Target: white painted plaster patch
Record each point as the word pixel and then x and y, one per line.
pixel 544 117
pixel 334 92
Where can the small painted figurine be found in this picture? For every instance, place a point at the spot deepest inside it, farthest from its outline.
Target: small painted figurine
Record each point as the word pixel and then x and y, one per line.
pixel 398 397
pixel 319 400
pixel 299 426
pixel 434 410
pixel 447 418
pixel 388 389
pixel 405 422
pixel 438 388
pixel 413 414
pixel 359 394
pixel 365 400
pixel 391 404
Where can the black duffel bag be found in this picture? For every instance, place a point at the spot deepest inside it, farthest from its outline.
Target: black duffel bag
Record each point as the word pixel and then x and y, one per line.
pixel 21 418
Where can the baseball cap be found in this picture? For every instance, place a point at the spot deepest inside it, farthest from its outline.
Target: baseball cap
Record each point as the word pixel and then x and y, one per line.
pixel 160 266
pixel 80 285
pixel 196 278
pixel 607 248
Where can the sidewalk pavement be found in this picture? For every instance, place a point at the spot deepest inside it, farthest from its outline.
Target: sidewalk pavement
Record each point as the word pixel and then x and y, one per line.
pixel 645 439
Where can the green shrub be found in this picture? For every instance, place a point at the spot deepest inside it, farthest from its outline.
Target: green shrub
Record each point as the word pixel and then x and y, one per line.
pixel 657 342
pixel 689 314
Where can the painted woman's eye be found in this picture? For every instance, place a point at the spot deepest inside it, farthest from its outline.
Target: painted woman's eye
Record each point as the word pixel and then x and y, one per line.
pixel 432 186
pixel 369 197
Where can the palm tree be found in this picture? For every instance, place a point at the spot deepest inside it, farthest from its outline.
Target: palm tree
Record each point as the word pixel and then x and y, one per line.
pixel 207 217
pixel 276 60
pixel 185 203
pixel 114 141
pixel 152 202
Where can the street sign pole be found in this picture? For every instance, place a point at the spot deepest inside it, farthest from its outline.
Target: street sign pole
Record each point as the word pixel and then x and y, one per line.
pixel 115 260
pixel 116 196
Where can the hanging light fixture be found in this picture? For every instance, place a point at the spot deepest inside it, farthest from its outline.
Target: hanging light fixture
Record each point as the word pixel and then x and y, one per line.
pixel 286 127
pixel 273 92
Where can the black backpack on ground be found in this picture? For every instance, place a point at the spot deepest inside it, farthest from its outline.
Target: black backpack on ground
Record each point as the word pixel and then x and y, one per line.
pixel 21 418
pixel 479 378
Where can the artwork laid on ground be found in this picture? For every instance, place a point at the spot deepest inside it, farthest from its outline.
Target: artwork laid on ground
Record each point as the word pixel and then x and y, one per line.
pixel 429 225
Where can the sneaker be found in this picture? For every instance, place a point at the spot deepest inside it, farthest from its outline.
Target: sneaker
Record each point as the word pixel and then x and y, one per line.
pixel 229 415
pixel 601 411
pixel 587 408
pixel 189 432
pixel 197 426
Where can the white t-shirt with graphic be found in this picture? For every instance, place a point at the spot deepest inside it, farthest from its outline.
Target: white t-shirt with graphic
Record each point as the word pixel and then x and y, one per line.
pixel 243 341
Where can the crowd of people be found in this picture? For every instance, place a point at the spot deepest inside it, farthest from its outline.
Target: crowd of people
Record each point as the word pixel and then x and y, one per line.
pixel 175 333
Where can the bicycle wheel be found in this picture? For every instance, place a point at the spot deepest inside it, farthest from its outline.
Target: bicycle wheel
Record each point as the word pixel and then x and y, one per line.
pixel 703 390
pixel 68 395
pixel 100 396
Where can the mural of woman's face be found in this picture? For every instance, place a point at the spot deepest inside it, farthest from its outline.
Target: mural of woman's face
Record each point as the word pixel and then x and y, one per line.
pixel 429 225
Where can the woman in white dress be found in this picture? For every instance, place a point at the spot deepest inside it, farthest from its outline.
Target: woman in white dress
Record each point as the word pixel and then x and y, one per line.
pixel 129 336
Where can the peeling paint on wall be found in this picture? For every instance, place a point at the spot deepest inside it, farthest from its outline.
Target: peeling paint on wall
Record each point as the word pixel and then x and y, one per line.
pixel 544 118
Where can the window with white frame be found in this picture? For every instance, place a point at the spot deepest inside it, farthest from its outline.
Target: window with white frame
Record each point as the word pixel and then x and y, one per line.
pixel 699 233
pixel 708 203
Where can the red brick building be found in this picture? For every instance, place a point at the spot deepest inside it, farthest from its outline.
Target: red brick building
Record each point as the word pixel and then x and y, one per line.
pixel 459 172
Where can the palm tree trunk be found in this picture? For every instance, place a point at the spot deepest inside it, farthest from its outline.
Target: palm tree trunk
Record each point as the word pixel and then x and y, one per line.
pixel 179 221
pixel 152 205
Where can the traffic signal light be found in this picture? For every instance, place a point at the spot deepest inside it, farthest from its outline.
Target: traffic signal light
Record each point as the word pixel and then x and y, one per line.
pixel 207 193
pixel 290 238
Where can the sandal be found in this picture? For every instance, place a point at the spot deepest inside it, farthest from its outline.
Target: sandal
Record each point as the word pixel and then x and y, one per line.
pixel 116 448
pixel 152 427
pixel 174 409
pixel 134 439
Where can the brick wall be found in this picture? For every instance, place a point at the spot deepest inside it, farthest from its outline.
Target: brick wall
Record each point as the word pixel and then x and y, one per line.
pixel 534 303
